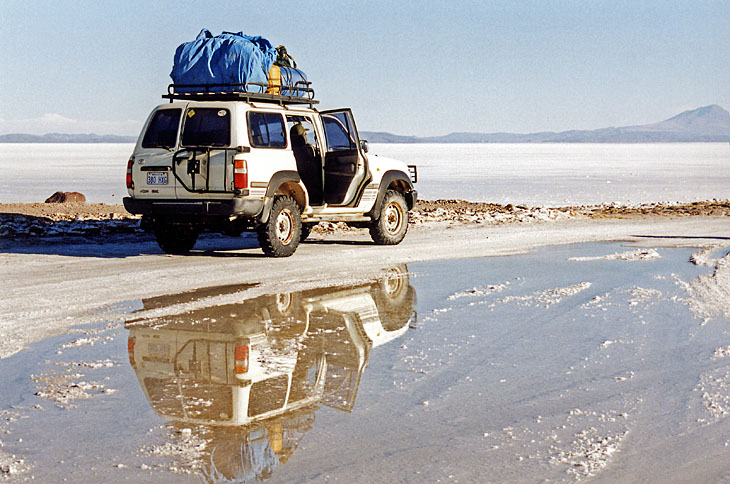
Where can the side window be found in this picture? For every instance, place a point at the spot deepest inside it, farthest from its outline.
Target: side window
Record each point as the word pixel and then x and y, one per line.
pixel 339 132
pixel 162 130
pixel 309 135
pixel 266 130
pixel 206 127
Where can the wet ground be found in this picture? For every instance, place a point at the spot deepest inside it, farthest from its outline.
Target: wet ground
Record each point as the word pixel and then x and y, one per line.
pixel 555 366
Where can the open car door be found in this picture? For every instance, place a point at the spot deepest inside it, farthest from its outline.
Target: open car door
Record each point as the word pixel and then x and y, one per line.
pixel 345 167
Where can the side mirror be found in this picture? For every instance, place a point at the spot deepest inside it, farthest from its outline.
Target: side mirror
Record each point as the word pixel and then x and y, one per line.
pixel 181 156
pixel 364 145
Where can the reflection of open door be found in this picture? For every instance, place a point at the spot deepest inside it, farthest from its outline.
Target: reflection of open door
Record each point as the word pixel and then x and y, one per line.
pixel 345 352
pixel 340 388
pixel 345 169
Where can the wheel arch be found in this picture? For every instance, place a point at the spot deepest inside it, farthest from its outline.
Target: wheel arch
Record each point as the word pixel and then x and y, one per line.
pixel 285 182
pixel 398 181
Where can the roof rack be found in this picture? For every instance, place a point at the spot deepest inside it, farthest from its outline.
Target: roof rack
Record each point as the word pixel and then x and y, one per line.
pixel 300 93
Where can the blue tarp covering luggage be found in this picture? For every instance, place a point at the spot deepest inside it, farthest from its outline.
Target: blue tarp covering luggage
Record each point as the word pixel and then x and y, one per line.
pixel 228 58
pixel 231 59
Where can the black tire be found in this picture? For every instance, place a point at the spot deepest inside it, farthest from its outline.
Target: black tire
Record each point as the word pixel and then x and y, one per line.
pixel 392 223
pixel 175 238
pixel 147 224
pixel 279 236
pixel 306 230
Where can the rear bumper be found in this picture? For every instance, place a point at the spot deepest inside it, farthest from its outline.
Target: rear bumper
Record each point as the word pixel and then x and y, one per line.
pixel 234 206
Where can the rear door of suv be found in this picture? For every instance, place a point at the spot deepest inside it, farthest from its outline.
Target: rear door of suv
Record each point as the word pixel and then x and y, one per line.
pixel 203 163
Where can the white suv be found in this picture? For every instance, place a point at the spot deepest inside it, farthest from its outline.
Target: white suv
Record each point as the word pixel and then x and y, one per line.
pixel 235 162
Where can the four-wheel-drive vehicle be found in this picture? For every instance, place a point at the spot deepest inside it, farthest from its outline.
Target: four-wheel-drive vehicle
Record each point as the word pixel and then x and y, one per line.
pixel 238 161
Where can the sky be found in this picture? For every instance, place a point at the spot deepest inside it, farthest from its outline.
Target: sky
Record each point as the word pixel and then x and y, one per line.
pixel 420 68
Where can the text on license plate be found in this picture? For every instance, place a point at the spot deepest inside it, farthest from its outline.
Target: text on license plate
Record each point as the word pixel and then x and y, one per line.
pixel 157 178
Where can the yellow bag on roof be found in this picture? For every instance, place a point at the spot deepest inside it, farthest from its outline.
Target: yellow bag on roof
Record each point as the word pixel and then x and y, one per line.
pixel 274 86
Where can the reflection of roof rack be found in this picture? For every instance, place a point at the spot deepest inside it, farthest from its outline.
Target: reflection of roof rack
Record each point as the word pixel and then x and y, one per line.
pixel 300 93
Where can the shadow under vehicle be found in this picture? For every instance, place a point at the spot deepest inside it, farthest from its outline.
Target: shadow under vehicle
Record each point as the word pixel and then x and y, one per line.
pixel 250 375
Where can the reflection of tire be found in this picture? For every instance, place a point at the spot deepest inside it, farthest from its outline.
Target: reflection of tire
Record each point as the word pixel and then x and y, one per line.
pixel 175 238
pixel 394 297
pixel 279 236
pixel 392 224
pixel 287 304
pixel 286 314
pixel 394 282
pixel 284 302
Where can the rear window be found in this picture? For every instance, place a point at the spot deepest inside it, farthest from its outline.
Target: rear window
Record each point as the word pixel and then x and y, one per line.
pixel 207 127
pixel 266 130
pixel 162 130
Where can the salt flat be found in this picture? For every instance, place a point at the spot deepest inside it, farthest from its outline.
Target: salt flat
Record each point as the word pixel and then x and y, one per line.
pixel 545 174
pixel 555 174
pixel 547 348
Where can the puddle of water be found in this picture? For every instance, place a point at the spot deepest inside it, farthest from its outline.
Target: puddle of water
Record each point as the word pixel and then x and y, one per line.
pixel 191 296
pixel 522 368
pixel 222 391
pixel 78 409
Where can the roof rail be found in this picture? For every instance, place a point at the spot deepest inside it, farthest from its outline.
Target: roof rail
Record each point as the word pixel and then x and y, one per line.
pixel 300 93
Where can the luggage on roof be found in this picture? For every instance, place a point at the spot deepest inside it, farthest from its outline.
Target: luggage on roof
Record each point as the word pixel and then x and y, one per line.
pixel 287 81
pixel 235 62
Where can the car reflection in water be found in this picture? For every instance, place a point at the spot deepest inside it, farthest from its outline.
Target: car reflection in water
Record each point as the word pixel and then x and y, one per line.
pixel 250 376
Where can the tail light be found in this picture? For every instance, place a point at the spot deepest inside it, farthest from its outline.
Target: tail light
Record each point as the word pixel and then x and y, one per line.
pixel 241 363
pixel 130 350
pixel 130 183
pixel 240 174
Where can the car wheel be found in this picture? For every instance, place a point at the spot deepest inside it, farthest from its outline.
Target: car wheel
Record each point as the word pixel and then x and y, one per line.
pixel 392 223
pixel 279 236
pixel 175 238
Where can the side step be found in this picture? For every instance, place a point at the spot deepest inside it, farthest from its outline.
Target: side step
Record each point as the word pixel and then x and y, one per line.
pixel 335 218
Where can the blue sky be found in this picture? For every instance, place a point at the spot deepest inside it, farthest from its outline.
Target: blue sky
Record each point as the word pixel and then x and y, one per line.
pixel 408 67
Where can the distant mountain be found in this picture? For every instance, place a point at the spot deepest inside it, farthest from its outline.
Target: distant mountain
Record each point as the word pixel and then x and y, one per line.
pixel 708 124
pixel 66 138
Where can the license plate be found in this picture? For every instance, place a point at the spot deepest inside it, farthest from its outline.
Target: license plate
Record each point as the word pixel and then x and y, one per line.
pixel 157 178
